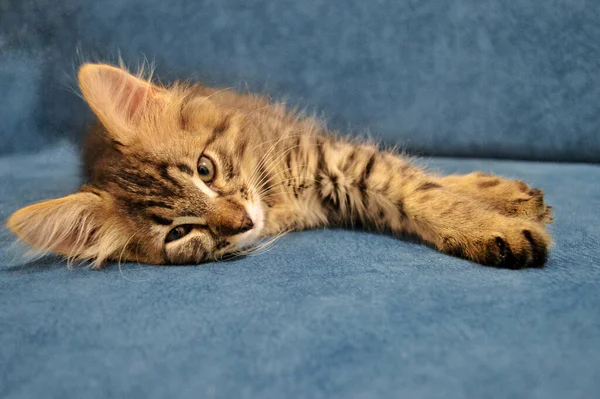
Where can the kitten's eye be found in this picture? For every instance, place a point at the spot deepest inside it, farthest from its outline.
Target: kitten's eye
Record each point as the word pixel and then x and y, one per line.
pixel 206 169
pixel 178 232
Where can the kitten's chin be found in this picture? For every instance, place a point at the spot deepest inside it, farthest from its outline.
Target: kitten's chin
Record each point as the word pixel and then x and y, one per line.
pixel 255 211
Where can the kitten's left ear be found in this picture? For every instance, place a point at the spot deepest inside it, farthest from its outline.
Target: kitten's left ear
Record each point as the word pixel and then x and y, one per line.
pixel 119 99
pixel 71 226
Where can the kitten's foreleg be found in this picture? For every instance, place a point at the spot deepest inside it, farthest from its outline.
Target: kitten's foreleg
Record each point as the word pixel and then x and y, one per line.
pixel 356 184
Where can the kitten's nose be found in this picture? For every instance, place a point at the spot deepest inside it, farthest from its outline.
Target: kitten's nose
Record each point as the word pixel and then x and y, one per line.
pixel 246 224
pixel 229 218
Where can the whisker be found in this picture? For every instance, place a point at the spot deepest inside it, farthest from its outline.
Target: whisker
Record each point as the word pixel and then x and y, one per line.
pixel 274 164
pixel 269 245
pixel 287 170
pixel 262 245
pixel 283 181
pixel 119 263
pixel 264 158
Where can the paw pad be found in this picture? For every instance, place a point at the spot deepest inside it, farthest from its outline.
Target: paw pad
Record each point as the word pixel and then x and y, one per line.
pixel 506 258
pixel 502 248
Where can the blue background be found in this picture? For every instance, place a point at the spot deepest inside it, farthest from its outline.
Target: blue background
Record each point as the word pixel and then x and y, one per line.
pixel 486 78
pixel 327 313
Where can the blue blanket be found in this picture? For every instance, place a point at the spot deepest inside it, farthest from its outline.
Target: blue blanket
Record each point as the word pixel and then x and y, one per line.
pixel 324 313
pixel 328 313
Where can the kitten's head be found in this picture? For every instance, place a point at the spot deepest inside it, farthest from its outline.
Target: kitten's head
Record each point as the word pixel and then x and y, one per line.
pixel 167 180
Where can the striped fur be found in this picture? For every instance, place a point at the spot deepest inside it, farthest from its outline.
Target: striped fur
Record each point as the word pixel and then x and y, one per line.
pixel 275 172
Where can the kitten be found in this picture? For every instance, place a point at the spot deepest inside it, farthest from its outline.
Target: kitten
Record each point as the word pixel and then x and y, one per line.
pixel 187 174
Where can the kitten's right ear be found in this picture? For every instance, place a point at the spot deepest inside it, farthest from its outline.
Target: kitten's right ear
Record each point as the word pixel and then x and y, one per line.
pixel 70 226
pixel 119 99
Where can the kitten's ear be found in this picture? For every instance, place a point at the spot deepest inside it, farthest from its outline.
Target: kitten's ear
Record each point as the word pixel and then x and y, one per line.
pixel 68 226
pixel 119 99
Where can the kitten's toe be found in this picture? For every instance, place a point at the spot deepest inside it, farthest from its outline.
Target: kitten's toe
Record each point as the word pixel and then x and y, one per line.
pixel 510 244
pixel 517 248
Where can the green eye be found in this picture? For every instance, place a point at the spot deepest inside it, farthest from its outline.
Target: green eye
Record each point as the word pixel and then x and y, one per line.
pixel 206 169
pixel 178 232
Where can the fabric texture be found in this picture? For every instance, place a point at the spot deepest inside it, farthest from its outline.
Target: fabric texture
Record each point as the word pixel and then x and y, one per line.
pixel 323 314
pixel 482 78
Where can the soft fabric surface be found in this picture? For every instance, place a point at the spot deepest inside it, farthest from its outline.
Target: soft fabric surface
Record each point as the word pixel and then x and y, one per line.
pixel 324 314
pixel 327 313
pixel 516 79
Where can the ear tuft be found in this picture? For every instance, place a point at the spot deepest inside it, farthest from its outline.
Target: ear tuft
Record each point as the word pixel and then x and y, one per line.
pixel 70 226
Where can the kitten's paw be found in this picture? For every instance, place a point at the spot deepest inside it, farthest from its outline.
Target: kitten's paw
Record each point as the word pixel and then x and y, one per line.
pixel 511 245
pixel 512 198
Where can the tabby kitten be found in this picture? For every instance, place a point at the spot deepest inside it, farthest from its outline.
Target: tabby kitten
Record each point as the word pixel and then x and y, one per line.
pixel 187 174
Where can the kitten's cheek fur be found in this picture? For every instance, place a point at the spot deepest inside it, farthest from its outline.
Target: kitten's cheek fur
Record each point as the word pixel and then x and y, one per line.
pixel 255 211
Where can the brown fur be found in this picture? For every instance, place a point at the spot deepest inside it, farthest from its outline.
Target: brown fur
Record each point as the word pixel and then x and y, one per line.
pixel 275 172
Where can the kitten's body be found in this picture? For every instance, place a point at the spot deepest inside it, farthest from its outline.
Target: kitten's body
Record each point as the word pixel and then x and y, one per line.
pixel 275 172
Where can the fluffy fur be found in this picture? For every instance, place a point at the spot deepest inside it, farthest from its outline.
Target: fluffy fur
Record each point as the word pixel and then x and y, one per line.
pixel 275 172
